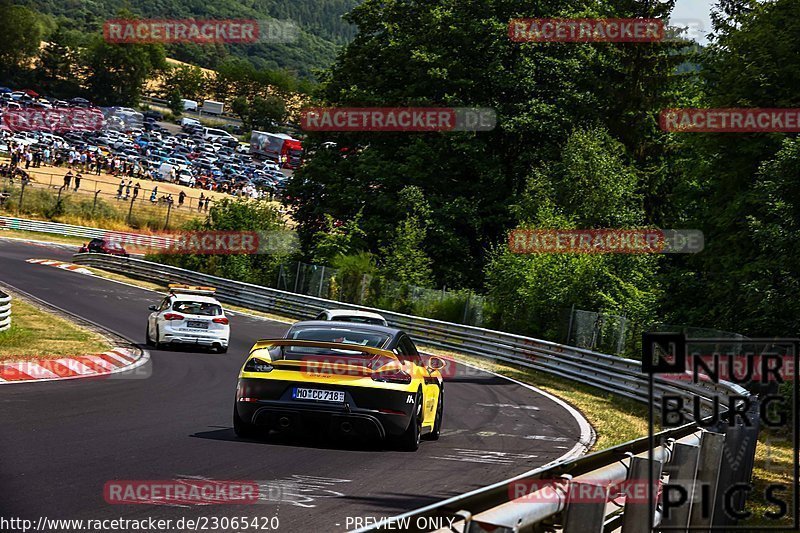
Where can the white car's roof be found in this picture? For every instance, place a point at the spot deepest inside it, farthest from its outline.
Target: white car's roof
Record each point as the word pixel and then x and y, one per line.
pixel 195 298
pixel 333 313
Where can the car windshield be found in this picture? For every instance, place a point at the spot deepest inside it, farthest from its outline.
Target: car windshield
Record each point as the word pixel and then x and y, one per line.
pixel 197 308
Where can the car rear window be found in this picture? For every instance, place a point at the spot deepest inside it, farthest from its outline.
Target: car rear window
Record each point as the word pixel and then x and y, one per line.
pixel 374 339
pixel 197 308
pixel 360 320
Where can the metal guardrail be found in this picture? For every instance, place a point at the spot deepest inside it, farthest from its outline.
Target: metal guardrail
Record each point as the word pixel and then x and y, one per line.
pixel 24 224
pixel 491 508
pixel 609 373
pixel 5 311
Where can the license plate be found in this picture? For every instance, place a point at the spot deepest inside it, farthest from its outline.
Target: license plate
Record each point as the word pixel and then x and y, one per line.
pixel 196 324
pixel 318 395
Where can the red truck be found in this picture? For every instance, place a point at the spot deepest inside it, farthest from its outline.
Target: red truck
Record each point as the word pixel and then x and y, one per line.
pixel 277 145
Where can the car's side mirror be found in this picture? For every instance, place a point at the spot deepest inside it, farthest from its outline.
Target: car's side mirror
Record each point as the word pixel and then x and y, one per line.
pixel 153 308
pixel 434 363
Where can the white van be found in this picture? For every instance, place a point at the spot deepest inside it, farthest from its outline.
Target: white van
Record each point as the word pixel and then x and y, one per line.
pixel 189 105
pixel 165 171
pixel 186 123
pixel 212 134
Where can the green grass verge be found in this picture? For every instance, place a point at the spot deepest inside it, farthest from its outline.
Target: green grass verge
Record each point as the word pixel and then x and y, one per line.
pixel 38 334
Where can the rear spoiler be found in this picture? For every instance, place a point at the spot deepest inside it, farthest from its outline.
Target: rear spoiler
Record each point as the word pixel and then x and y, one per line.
pixel 266 343
pixel 391 363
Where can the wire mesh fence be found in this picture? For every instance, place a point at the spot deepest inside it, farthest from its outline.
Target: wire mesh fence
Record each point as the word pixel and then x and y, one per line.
pixel 599 331
pixel 134 203
pixel 462 307
pixel 619 335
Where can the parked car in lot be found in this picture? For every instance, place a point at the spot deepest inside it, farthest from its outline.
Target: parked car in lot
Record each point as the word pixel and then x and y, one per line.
pixel 218 135
pixel 187 123
pixel 153 114
pixel 185 177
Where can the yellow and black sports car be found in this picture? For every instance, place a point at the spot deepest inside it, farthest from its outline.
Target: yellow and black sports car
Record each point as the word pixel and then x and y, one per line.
pixel 353 379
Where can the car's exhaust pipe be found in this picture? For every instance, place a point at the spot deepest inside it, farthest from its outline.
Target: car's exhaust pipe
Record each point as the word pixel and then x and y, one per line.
pixel 347 427
pixel 284 422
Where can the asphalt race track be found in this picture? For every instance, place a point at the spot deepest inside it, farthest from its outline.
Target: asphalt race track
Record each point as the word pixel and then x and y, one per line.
pixel 61 442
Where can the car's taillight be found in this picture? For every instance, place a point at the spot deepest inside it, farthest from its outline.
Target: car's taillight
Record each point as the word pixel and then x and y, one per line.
pixel 173 316
pixel 221 320
pixel 257 365
pixel 392 377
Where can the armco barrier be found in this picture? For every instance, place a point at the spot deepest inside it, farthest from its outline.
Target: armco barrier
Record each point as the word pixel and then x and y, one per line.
pixel 490 508
pixel 5 311
pixel 24 224
pixel 613 374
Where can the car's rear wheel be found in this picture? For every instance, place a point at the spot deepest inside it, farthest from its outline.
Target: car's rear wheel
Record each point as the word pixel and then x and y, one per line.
pixel 147 340
pixel 156 342
pixel 437 423
pixel 409 440
pixel 243 429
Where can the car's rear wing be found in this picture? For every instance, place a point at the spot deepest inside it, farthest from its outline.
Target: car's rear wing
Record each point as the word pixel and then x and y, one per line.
pixel 266 343
pixel 385 360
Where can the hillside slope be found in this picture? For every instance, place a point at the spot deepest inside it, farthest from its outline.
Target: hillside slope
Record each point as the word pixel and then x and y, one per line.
pixel 322 30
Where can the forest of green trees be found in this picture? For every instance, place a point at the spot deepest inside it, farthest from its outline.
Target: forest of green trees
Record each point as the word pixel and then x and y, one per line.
pixel 577 145
pixel 322 29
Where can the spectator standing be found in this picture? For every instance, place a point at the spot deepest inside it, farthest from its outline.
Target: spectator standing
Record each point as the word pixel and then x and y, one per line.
pixel 200 205
pixel 136 190
pixel 128 188
pixel 67 179
pixel 120 189
pixel 154 194
pixel 181 198
pixel 77 181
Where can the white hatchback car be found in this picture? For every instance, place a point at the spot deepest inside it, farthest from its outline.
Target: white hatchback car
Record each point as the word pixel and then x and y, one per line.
pixel 189 315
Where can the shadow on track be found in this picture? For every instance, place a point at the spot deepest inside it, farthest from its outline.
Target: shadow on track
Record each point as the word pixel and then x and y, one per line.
pixel 319 442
